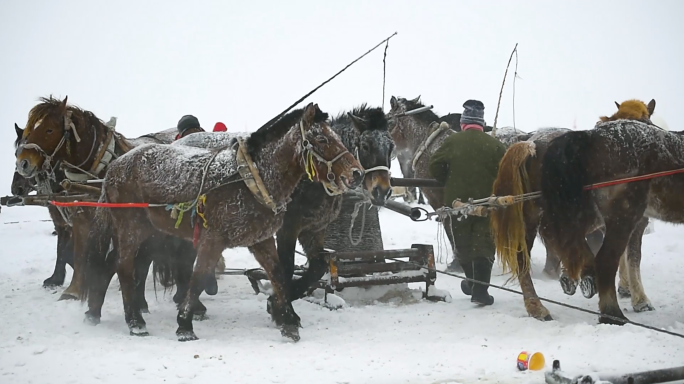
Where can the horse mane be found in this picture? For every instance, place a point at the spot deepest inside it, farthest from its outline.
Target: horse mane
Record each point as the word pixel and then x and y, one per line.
pixel 631 110
pixel 426 117
pixel 48 105
pixel 267 133
pixel 375 117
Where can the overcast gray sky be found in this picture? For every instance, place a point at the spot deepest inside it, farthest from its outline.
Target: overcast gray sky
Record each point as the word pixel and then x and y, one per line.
pixel 150 62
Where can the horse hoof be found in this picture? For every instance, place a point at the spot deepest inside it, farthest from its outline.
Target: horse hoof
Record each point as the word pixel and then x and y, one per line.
pixel 291 332
pixel 644 307
pixel 624 292
pixel 52 282
pixel 614 320
pixel 588 287
pixel 200 316
pixel 269 305
pixel 67 296
pixel 145 310
pixel 91 319
pixel 547 318
pixel 138 330
pixel 569 286
pixel 186 336
pixel 211 287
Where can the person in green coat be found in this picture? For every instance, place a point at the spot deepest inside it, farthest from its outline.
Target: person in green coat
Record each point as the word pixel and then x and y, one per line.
pixel 467 163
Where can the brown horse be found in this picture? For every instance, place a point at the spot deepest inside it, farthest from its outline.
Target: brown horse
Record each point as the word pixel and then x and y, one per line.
pixel 235 213
pixel 58 133
pixel 22 186
pixel 613 150
pixel 515 227
pixel 364 132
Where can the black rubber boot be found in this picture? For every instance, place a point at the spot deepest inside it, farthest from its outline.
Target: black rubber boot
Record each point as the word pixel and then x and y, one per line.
pixel 482 271
pixel 467 286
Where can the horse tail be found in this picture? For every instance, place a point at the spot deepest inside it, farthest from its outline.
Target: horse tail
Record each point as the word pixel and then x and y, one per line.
pixel 508 224
pixel 165 263
pixel 99 260
pixel 564 173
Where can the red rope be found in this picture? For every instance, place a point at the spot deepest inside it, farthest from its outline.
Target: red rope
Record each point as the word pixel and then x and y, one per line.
pixel 104 205
pixel 632 179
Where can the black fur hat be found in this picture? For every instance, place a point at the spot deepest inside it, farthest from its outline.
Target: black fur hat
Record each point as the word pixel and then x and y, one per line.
pixel 187 122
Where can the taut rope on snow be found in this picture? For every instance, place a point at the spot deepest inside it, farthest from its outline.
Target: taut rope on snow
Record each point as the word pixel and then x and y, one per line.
pixel 621 320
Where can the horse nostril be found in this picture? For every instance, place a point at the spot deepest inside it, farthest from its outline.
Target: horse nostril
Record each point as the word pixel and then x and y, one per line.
pixel 24 164
pixel 357 177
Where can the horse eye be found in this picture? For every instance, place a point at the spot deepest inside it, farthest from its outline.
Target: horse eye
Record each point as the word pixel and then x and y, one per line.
pixel 49 131
pixel 364 147
pixel 322 139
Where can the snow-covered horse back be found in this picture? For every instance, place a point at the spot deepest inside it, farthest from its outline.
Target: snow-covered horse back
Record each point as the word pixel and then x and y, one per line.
pixel 611 151
pixel 227 213
pixel 364 132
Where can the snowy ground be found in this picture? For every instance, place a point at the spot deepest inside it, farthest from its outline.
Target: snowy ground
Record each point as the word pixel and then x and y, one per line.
pixel 45 341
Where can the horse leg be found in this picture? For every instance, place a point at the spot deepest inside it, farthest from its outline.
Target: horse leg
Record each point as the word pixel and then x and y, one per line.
pixel 128 246
pixel 142 268
pixel 99 279
pixel 57 278
pixel 553 265
pixel 640 301
pixel 286 239
pixel 185 256
pixel 208 254
pixel 618 230
pixel 312 243
pixel 282 312
pixel 594 241
pixel 533 305
pixel 623 272
pixel 79 237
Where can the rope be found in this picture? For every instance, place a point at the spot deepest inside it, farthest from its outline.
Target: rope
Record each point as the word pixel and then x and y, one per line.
pixel 357 205
pixel 383 74
pixel 275 119
pixel 622 320
pixel 632 179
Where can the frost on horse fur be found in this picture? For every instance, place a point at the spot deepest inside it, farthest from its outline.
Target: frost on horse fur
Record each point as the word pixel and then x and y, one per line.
pixel 176 173
pixel 612 151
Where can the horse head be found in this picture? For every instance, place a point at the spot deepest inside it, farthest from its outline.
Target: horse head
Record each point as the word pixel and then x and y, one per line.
pixel 632 110
pixel 21 186
pixel 375 148
pixel 56 132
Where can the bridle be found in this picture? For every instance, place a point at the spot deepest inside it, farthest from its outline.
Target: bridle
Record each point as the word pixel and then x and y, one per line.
pixel 308 153
pixel 48 168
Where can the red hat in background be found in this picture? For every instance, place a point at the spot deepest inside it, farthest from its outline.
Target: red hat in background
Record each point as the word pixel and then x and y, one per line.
pixel 220 127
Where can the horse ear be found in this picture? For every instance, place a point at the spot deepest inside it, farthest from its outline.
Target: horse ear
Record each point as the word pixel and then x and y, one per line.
pixel 417 99
pixel 309 115
pixel 651 107
pixel 358 123
pixel 20 132
pixel 393 102
pixel 63 106
pixel 617 105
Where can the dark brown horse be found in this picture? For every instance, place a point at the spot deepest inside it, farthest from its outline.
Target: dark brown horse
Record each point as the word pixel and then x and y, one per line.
pixel 60 134
pixel 613 150
pixel 235 213
pixel 515 227
pixel 363 131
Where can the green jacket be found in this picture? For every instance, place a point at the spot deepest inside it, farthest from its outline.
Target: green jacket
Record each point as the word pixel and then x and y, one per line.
pixel 467 164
